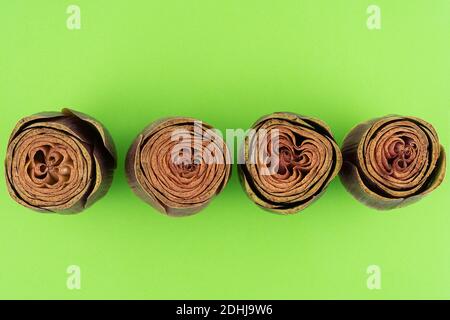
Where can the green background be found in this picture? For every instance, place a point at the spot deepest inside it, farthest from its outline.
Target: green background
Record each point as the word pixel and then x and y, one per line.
pixel 227 63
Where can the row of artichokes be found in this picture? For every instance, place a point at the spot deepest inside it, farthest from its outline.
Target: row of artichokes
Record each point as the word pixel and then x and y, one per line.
pixel 64 161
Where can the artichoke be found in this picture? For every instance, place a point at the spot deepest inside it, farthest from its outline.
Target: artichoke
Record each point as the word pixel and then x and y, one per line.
pixel 59 161
pixel 392 161
pixel 287 161
pixel 178 165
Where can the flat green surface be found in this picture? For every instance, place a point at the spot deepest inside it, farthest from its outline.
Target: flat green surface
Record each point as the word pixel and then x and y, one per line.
pixel 227 63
